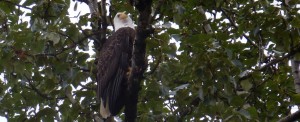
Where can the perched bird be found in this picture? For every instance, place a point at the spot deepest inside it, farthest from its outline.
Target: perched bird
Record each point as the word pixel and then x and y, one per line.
pixel 114 66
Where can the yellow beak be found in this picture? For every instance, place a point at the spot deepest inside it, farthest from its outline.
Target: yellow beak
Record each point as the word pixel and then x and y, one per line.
pixel 123 15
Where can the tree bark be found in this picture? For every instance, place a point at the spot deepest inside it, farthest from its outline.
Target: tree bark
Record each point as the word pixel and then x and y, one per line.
pixel 291 118
pixel 139 57
pixel 296 74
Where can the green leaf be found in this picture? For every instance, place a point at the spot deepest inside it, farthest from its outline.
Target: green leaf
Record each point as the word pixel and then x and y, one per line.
pixel 245 113
pixel 236 101
pixel 297 57
pixel 7 8
pixel 53 57
pixel 28 2
pixel 253 112
pixel 52 36
pixel 246 84
pixel 296 98
pixel 296 22
pixel 198 38
pixel 271 105
pixel 237 63
pixel 73 32
pixel 38 24
pixel 44 113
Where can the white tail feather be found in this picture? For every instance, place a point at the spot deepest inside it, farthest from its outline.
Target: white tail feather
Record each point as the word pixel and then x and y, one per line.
pixel 104 111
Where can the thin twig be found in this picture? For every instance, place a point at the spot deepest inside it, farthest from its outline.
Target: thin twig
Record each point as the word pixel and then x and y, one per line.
pixel 62 50
pixel 69 37
pixel 10 2
pixel 158 61
pixel 236 27
pixel 32 87
pixel 157 10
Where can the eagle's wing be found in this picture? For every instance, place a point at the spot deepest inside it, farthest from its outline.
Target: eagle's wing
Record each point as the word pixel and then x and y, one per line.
pixel 113 63
pixel 107 64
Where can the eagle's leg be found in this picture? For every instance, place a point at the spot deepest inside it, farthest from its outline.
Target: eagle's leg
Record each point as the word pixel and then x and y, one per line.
pixel 129 77
pixel 128 73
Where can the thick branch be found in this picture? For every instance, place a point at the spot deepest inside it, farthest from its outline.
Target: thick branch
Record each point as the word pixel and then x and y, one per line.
pixel 295 64
pixel 296 74
pixel 139 57
pixel 103 23
pixel 275 61
pixel 291 118
pixel 96 17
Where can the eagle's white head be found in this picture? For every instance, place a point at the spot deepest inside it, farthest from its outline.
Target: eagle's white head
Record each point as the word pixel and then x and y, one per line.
pixel 122 20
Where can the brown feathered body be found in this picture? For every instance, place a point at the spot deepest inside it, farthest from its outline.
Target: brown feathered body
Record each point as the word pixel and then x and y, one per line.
pixel 113 70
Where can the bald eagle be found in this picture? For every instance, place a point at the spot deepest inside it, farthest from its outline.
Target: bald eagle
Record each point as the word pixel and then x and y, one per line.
pixel 114 66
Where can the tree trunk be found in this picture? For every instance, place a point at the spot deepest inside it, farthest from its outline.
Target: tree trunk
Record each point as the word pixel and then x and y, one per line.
pixel 139 57
pixel 296 74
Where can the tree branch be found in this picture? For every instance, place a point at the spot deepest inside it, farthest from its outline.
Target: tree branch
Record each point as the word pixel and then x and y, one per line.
pixel 206 26
pixel 236 27
pixel 188 109
pixel 69 95
pixel 85 1
pixel 96 21
pixel 275 61
pixel 158 61
pixel 157 10
pixel 139 63
pixel 184 111
pixel 10 2
pixel 291 118
pixel 103 23
pixel 62 50
pixel 43 95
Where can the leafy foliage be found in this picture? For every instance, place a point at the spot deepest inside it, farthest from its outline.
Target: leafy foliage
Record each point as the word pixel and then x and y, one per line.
pixel 238 71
